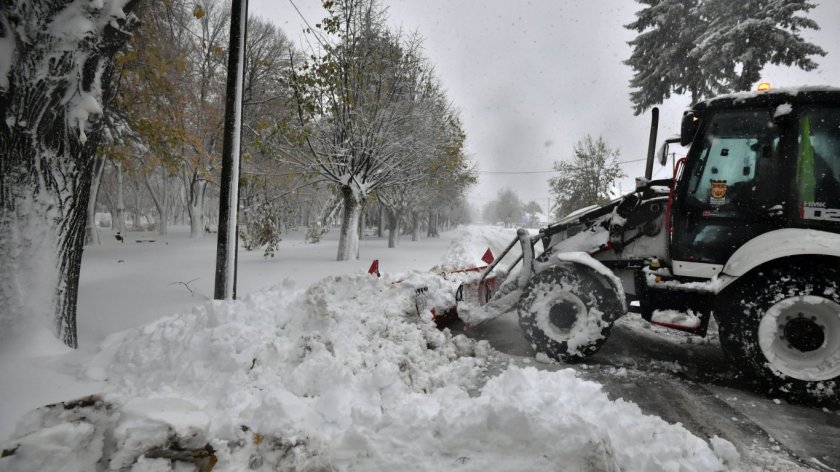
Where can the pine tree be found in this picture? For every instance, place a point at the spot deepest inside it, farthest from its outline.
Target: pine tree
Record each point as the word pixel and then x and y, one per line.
pixel 708 47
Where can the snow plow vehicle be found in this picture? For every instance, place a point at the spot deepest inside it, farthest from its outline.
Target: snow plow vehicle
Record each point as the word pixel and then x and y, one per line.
pixel 747 231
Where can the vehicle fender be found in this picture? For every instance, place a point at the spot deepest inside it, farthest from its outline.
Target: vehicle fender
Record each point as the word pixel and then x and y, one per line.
pixel 781 243
pixel 586 260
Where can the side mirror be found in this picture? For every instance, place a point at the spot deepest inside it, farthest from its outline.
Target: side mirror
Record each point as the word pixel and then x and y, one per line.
pixel 662 153
pixel 690 124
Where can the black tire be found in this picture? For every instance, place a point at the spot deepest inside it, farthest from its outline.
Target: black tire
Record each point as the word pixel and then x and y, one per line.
pixel 551 305
pixel 782 326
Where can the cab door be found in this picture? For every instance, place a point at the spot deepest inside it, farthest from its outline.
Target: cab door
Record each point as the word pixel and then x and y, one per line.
pixel 735 186
pixel 817 186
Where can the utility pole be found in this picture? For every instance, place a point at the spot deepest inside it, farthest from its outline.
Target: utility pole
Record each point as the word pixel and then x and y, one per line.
pixel 229 195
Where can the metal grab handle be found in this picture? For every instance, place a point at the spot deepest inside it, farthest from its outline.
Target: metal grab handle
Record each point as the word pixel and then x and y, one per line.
pixel 497 260
pixel 521 237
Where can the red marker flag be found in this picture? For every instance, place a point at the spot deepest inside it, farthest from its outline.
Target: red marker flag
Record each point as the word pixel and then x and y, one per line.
pixel 488 256
pixel 374 268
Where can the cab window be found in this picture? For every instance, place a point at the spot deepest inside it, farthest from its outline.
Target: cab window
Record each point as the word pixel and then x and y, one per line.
pixel 737 166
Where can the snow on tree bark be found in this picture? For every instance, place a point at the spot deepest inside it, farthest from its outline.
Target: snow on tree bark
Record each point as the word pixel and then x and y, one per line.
pixel 52 96
pixel 394 217
pixel 415 225
pixel 91 231
pixel 348 241
pixel 195 206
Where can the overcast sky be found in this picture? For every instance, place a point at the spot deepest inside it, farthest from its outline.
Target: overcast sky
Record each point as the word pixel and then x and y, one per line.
pixel 531 78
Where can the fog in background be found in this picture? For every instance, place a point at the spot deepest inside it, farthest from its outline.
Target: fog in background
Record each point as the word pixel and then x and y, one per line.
pixel 531 78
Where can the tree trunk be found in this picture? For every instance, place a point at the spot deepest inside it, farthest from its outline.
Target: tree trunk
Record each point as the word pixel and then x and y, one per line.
pixel 433 229
pixel 348 239
pixel 163 212
pixel 50 100
pixel 362 224
pixel 380 227
pixel 135 223
pixel 195 207
pixel 415 228
pixel 91 231
pixel 161 202
pixel 120 225
pixel 393 228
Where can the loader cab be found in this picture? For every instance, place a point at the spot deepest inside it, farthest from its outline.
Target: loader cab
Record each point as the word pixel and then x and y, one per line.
pixel 756 164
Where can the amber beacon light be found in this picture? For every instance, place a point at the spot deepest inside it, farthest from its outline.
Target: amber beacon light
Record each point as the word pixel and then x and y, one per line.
pixel 764 86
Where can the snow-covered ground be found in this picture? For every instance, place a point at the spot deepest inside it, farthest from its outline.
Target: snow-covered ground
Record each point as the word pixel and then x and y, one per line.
pixel 317 367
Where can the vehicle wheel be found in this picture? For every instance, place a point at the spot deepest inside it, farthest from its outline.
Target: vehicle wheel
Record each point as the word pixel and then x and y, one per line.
pixel 783 326
pixel 567 311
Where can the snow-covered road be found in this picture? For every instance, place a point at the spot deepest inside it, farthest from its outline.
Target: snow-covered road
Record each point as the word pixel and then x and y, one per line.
pixel 684 379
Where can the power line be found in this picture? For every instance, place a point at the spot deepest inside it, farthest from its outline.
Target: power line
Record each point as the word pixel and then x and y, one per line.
pixel 513 172
pixel 321 41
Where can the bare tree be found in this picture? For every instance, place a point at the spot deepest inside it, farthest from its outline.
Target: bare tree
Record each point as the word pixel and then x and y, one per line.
pixel 173 92
pixel 451 175
pixel 274 193
pixel 424 109
pixel 349 104
pixel 206 56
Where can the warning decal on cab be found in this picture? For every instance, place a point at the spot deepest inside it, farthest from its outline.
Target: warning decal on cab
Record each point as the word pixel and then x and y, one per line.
pixel 818 211
pixel 717 194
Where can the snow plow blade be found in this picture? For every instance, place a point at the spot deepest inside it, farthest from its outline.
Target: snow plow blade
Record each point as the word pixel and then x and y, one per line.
pixel 482 292
pixel 472 290
pixel 490 295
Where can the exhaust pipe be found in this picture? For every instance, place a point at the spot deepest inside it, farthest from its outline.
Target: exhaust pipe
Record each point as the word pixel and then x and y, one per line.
pixel 654 126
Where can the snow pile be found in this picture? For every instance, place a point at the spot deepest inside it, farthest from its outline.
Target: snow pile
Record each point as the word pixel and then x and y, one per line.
pixel 687 319
pixel 346 343
pixel 344 376
pixel 469 243
pixel 27 286
pixel 506 299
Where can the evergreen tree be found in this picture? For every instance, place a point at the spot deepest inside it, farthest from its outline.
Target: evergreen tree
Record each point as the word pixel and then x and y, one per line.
pixel 708 47
pixel 587 179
